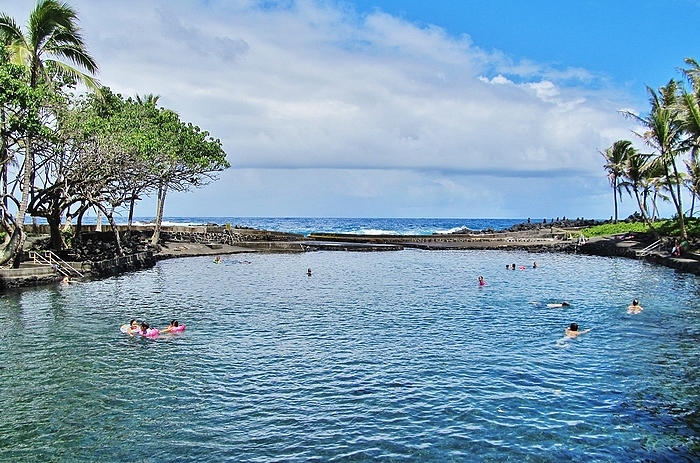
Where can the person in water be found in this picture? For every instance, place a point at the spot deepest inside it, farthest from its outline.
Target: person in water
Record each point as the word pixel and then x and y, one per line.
pixel 572 331
pixel 481 281
pixel 133 327
pixel 217 260
pixel 308 272
pixel 558 305
pixel 173 324
pixel 635 307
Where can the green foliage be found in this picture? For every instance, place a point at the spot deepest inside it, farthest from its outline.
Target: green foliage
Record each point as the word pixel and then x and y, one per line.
pixel 671 227
pixel 663 227
pixel 615 228
pixel 19 102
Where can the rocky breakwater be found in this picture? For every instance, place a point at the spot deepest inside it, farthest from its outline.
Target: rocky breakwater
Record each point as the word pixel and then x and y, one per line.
pixel 216 236
pixel 94 255
pixel 644 246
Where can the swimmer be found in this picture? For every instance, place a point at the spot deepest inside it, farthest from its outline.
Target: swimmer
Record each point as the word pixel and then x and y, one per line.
pixel 174 325
pixel 558 305
pixel 481 281
pixel 217 260
pixel 132 328
pixel 534 265
pixel 635 307
pixel 308 272
pixel 572 331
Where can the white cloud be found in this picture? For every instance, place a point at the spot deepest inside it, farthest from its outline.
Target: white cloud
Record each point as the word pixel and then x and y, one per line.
pixel 395 114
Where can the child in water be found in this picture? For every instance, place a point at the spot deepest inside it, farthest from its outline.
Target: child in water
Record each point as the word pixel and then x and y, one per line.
pixel 174 326
pixel 572 331
pixel 635 307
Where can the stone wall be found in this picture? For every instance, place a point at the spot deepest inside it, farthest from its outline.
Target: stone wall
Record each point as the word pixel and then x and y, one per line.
pixel 118 265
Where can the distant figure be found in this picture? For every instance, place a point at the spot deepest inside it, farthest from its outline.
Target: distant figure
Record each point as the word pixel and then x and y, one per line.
pixel 308 272
pixel 217 260
pixel 534 265
pixel 512 267
pixel 66 280
pixel 572 331
pixel 635 307
pixel 676 251
pixel 132 328
pixel 174 327
pixel 507 267
pixel 481 281
pixel 558 305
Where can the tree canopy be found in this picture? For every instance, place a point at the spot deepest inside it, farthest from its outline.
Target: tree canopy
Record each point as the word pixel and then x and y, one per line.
pixel 63 153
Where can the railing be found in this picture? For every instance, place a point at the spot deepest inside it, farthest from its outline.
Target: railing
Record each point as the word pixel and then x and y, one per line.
pixel 49 258
pixel 652 247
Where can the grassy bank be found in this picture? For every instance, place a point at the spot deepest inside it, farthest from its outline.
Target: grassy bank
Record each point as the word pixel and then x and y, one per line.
pixel 664 227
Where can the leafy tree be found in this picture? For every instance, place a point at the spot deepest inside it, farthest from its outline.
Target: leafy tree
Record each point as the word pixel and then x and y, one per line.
pixel 18 118
pixel 50 48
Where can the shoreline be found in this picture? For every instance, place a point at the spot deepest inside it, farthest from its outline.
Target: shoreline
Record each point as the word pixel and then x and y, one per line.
pixel 195 242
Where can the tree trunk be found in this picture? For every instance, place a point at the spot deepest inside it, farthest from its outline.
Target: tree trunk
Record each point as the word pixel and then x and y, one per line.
pixel 117 239
pixel 615 198
pixel 57 242
pixel 12 251
pixel 98 224
pixel 645 217
pixel 131 212
pixel 676 197
pixel 26 183
pixel 162 190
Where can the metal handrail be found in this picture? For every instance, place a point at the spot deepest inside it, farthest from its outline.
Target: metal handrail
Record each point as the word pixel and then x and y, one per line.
pixel 650 248
pixel 49 258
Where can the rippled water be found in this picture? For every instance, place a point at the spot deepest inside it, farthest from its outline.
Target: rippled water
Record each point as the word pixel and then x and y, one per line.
pixel 398 356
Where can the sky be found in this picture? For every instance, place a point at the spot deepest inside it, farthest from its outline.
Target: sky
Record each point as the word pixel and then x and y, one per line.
pixel 406 108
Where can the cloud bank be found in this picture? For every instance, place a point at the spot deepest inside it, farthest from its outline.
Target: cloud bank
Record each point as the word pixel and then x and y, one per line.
pixel 325 111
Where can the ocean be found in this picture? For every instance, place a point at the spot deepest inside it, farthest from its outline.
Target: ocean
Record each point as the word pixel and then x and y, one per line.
pixel 365 226
pixel 392 356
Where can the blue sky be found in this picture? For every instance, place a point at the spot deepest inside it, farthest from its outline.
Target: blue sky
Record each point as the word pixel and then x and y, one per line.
pixel 396 108
pixel 630 43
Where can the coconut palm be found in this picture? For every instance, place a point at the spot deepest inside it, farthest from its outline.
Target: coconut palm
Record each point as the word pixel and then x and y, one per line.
pixel 51 44
pixel 637 173
pixel 52 41
pixel 615 158
pixel 665 135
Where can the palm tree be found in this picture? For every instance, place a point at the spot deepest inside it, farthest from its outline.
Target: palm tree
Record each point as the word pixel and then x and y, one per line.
pixel 690 109
pixel 637 176
pixel 52 41
pixel 615 158
pixel 664 133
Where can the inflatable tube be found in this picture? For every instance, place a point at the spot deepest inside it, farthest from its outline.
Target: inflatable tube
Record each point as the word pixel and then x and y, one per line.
pixel 149 333
pixel 177 329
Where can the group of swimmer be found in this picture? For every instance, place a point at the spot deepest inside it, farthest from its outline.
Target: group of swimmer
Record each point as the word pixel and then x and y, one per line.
pixel 219 260
pixel 134 328
pixel 520 267
pixel 572 330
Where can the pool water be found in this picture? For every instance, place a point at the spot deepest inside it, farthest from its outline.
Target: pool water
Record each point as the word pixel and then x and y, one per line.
pixel 394 356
